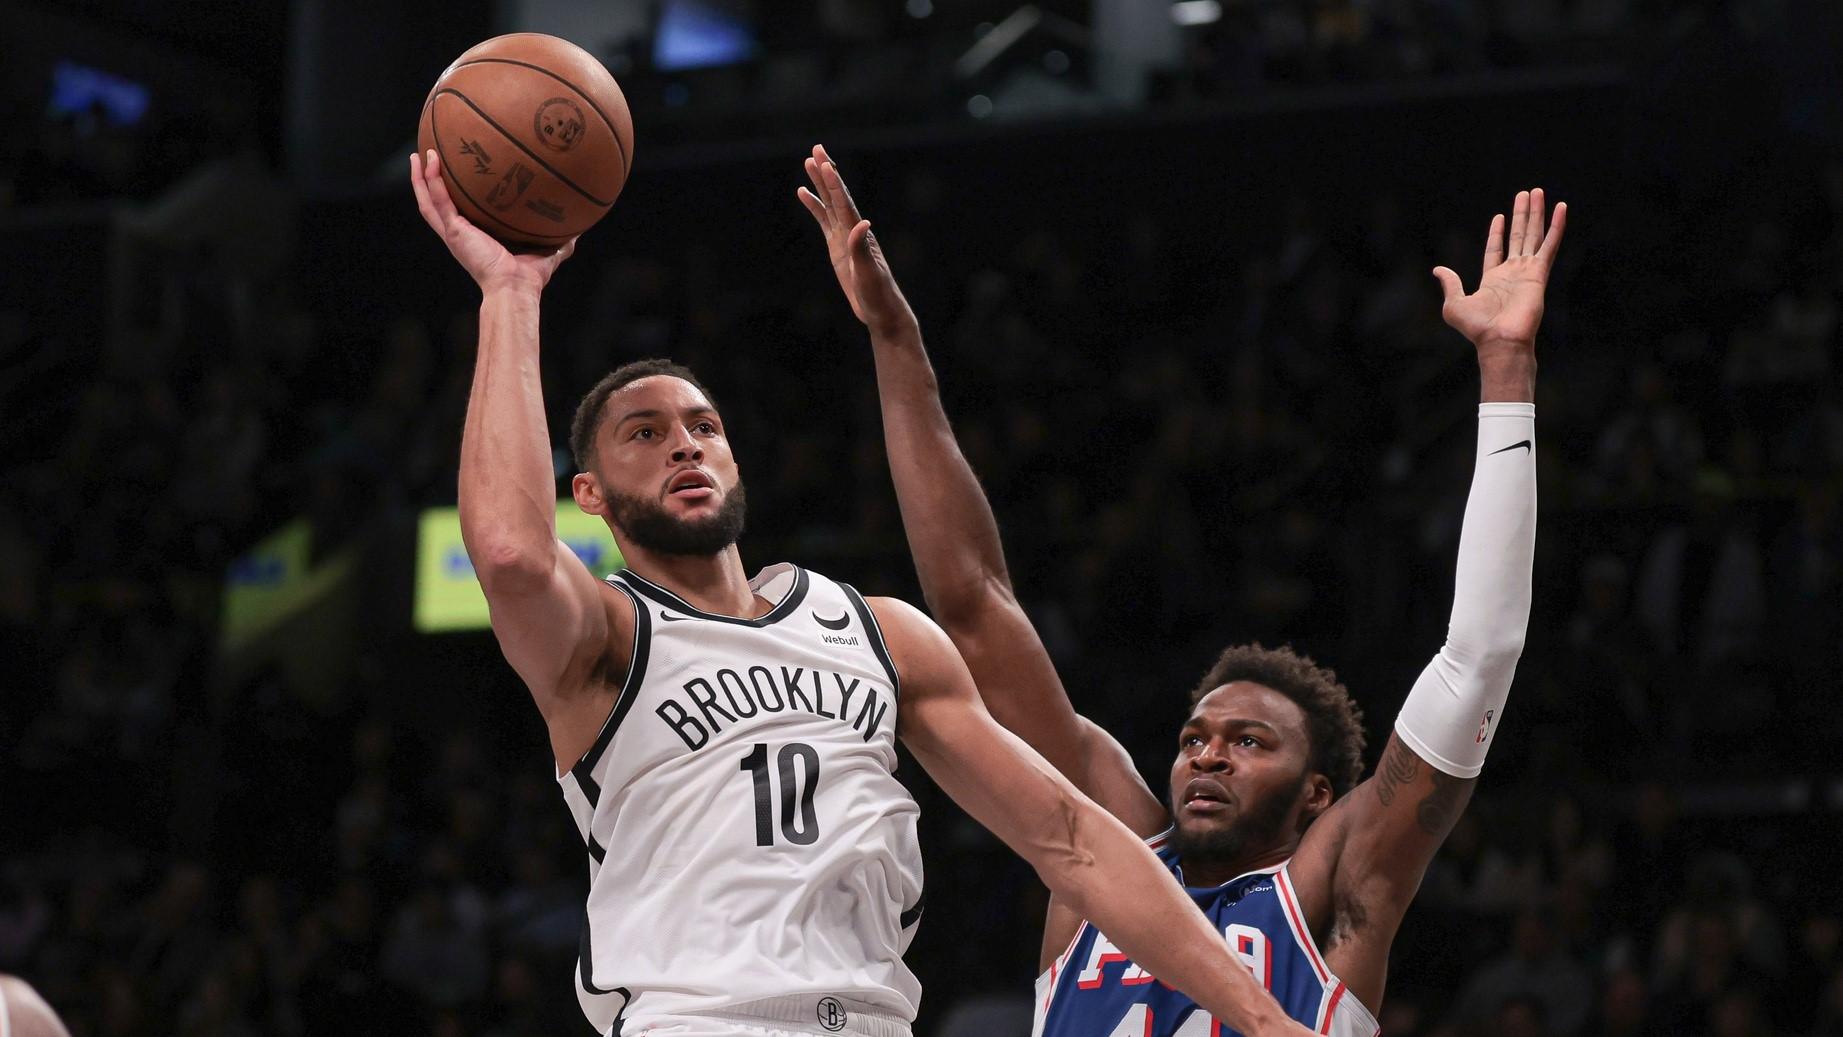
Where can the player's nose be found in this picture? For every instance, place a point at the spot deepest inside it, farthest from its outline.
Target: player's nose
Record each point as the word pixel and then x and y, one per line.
pixel 685 447
pixel 1210 758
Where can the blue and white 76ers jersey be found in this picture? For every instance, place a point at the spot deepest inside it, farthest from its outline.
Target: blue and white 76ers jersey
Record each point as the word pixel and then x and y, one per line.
pixel 747 836
pixel 1095 991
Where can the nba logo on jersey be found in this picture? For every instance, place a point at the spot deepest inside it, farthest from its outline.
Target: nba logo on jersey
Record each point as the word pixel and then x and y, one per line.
pixel 1094 990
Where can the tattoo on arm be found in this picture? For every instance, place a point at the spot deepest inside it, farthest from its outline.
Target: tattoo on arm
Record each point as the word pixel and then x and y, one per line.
pixel 1442 806
pixel 1399 767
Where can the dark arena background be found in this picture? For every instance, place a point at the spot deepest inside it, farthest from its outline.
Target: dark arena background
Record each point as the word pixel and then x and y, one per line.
pixel 266 773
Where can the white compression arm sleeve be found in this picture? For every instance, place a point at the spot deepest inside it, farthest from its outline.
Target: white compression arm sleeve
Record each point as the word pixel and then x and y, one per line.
pixel 1456 704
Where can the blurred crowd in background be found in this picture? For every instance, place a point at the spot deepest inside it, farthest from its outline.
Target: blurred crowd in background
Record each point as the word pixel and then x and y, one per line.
pixel 1201 370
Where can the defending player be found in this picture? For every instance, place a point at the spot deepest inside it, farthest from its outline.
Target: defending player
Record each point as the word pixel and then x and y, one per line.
pixel 1306 878
pixel 726 745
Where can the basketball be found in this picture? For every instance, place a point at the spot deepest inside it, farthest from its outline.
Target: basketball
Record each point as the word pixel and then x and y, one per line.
pixel 534 135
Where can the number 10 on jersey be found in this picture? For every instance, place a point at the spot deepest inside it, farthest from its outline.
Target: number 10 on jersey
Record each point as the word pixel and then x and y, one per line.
pixel 793 789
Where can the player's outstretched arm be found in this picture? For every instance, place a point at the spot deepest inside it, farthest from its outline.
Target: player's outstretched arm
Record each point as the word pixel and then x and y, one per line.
pixel 1378 841
pixel 1084 854
pixel 952 532
pixel 548 611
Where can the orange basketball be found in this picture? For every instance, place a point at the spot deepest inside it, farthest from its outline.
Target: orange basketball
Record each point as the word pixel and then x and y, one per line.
pixel 535 138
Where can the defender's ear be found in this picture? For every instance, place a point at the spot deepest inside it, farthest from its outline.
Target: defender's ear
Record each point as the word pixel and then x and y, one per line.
pixel 1319 796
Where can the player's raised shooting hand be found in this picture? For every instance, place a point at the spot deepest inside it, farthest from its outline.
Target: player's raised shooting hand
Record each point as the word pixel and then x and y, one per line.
pixel 490 264
pixel 857 260
pixel 1503 314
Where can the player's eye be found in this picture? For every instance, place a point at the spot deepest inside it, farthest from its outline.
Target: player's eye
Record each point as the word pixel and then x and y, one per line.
pixel 644 433
pixel 706 428
pixel 1190 740
pixel 1248 742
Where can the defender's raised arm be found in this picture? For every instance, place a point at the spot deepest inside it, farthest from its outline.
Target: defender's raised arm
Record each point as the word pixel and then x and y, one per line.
pixel 952 533
pixel 1378 841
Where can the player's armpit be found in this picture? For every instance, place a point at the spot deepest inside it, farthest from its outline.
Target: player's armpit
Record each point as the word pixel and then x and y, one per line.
pixel 569 637
pixel 1359 866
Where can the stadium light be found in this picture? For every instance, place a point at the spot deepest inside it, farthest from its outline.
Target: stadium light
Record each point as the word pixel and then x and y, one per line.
pixel 1196 12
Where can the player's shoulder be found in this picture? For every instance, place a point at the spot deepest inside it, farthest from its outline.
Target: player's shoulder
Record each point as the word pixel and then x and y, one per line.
pixel 909 634
pixel 897 613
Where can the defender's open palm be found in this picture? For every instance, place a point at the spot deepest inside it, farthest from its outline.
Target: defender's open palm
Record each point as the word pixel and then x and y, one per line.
pixel 485 259
pixel 1507 307
pixel 856 259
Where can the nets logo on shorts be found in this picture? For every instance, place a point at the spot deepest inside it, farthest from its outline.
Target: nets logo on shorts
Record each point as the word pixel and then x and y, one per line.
pixel 831 1014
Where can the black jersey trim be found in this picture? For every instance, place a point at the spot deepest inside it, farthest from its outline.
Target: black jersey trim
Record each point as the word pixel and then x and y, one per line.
pixel 586 954
pixel 913 914
pixel 630 690
pixel 677 604
pixel 875 632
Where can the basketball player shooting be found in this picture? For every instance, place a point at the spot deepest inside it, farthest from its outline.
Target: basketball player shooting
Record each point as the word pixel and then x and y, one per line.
pixel 726 746
pixel 1305 873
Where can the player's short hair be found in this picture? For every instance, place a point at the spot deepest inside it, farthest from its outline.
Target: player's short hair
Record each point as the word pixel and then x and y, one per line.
pixel 589 412
pixel 1334 721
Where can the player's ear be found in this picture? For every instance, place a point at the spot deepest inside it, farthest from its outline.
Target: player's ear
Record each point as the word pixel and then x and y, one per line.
pixel 1318 797
pixel 588 493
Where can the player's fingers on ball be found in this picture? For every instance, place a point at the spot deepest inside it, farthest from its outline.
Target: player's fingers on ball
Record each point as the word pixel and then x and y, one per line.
pixel 420 190
pixel 443 205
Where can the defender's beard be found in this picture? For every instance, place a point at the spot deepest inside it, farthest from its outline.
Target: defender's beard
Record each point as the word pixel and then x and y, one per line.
pixel 648 524
pixel 1261 825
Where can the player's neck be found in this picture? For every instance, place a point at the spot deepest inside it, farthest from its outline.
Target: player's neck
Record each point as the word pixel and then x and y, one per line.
pixel 1201 873
pixel 712 583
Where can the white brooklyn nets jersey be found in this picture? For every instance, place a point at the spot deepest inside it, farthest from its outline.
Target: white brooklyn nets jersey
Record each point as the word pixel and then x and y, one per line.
pixel 747 836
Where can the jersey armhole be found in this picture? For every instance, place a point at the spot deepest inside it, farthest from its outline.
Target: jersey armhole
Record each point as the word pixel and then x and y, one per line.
pixel 624 700
pixel 874 633
pixel 1336 993
pixel 1046 982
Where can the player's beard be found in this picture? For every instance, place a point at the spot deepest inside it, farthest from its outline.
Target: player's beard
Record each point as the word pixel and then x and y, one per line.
pixel 647 524
pixel 1261 827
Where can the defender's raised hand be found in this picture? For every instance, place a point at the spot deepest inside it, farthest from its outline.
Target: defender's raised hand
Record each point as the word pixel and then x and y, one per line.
pixel 1507 307
pixel 485 259
pixel 856 259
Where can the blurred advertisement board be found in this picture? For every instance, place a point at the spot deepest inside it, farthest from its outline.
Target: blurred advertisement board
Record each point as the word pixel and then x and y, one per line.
pixel 448 596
